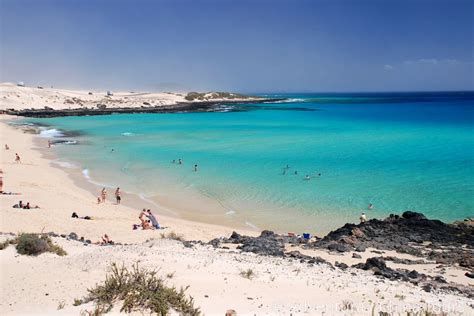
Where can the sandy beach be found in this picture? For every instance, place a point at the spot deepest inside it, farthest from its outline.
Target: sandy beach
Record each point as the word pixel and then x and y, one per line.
pixel 38 285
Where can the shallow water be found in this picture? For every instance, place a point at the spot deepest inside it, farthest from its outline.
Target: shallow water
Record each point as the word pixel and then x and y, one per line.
pixel 396 151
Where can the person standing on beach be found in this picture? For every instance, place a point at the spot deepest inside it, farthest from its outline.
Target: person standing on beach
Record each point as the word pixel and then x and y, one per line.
pixel 1 181
pixel 6 147
pixel 17 158
pixel 153 220
pixel 363 218
pixel 49 144
pixel 118 195
pixel 103 195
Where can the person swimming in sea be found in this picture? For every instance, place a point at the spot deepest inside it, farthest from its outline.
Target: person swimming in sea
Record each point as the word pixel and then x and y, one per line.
pixel 307 177
pixel 371 206
pixel 180 162
pixel 195 168
pixel 296 172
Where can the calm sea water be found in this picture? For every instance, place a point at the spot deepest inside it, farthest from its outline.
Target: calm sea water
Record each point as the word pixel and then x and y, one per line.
pixel 404 151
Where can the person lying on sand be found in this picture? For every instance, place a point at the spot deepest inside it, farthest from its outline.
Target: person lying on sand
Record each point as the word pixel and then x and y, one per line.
pixel 28 206
pixel 74 215
pixel 19 205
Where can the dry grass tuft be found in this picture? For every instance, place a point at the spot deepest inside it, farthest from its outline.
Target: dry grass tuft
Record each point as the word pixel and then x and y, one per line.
pixel 140 290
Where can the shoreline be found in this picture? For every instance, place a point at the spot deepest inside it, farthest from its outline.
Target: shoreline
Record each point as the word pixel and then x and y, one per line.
pixel 84 192
pixel 164 208
pixel 321 279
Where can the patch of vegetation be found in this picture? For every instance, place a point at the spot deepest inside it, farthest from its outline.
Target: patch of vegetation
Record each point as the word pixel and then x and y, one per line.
pixel 33 245
pixel 140 290
pixel 172 235
pixel 61 305
pixel 346 305
pixel 248 274
pixel 7 243
pixel 77 302
pixel 401 297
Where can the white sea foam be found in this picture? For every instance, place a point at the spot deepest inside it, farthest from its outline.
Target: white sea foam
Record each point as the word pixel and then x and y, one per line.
pixel 86 174
pixel 128 134
pixel 289 101
pixel 50 133
pixel 252 225
pixel 67 142
pixel 64 164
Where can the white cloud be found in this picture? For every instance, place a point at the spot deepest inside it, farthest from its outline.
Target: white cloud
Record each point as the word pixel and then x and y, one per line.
pixel 432 61
pixel 387 67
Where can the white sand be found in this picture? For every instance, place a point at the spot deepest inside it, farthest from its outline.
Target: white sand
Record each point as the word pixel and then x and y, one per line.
pixel 281 286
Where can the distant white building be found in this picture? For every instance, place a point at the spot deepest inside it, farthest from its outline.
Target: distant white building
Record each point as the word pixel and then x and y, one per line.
pixel 109 93
pixel 20 84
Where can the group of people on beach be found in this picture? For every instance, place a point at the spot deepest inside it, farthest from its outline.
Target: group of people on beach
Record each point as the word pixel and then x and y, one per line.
pixel 103 196
pixel 148 220
pixel 24 206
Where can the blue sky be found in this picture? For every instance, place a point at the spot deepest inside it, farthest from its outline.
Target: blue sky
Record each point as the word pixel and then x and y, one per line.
pixel 243 46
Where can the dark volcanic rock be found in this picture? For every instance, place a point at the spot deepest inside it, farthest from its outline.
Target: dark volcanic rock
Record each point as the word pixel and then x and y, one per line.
pixel 356 256
pixel 448 243
pixel 378 266
pixel 340 247
pixel 267 243
pixel 413 215
pixel 341 265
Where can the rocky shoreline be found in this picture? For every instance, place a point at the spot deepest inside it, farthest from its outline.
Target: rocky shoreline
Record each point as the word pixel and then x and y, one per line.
pixel 435 242
pixel 180 107
pixel 411 233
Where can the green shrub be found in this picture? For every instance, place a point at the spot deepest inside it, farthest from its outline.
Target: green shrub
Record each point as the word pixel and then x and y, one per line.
pixel 34 244
pixel 139 290
pixel 31 245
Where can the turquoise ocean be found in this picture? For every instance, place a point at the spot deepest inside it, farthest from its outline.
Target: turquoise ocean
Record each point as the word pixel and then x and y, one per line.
pixel 397 151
